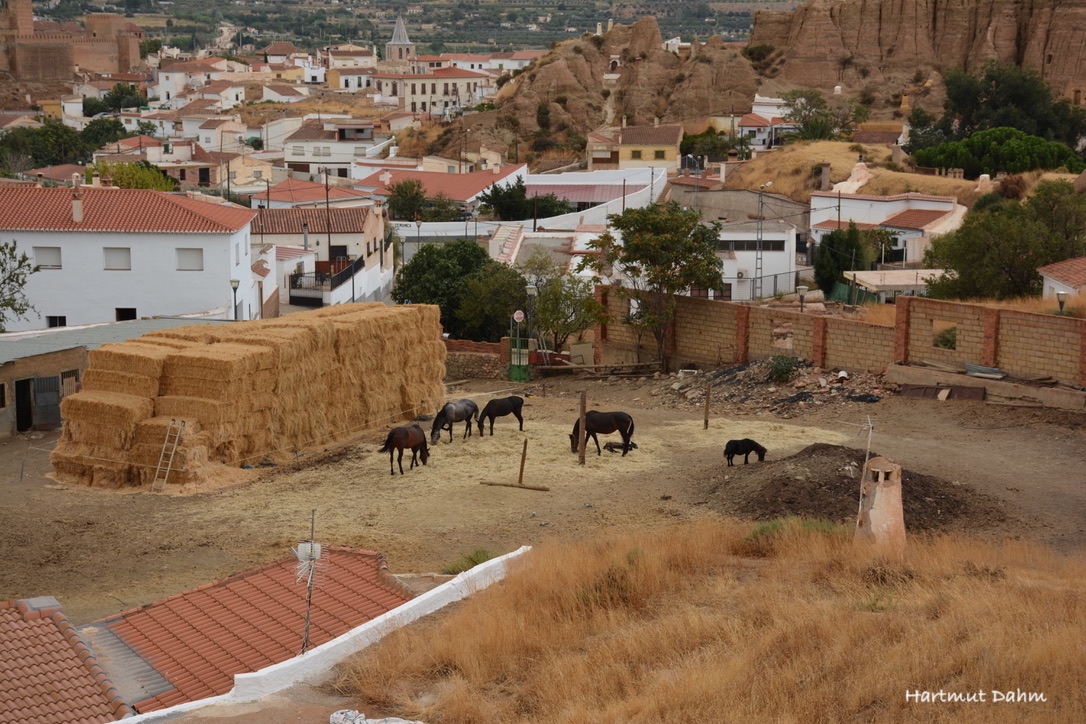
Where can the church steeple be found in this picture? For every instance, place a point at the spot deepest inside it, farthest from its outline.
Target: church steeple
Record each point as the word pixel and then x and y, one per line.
pixel 400 48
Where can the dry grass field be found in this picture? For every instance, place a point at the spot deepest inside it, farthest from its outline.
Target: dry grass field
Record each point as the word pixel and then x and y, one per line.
pixel 725 622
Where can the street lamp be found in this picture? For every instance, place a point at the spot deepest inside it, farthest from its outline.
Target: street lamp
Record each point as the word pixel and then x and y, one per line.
pixel 802 291
pixel 418 233
pixel 1061 297
pixel 327 213
pixel 234 284
pixel 532 290
pixel 475 215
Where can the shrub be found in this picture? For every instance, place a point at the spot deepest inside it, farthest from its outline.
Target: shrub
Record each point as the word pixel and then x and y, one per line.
pixel 467 561
pixel 947 339
pixel 758 53
pixel 781 368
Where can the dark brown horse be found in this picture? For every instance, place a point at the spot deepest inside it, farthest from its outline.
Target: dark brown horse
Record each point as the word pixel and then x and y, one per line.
pixel 500 407
pixel 604 423
pixel 743 447
pixel 406 437
pixel 452 412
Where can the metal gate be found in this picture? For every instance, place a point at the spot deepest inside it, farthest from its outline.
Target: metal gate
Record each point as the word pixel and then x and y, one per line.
pixel 46 402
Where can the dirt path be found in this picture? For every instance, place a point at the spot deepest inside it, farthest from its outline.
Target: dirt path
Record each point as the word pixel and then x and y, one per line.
pixel 101 551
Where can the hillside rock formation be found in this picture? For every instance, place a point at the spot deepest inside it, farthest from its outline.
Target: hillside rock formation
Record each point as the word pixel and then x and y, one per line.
pixel 878 44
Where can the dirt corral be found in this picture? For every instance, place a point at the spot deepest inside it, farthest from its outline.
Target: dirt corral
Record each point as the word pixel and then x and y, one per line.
pixel 979 469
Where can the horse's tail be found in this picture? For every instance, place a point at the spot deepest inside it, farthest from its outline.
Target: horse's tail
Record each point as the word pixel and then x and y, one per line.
pixel 631 428
pixel 388 443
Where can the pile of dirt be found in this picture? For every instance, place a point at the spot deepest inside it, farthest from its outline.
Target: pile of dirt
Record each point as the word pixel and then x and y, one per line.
pixel 823 482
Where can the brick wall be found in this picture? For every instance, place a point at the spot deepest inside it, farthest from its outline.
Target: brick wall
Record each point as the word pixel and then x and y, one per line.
pixel 42 365
pixel 708 332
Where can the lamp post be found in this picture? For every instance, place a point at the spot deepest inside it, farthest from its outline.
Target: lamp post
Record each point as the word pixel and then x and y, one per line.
pixel 234 284
pixel 532 290
pixel 1061 297
pixel 327 213
pixel 418 233
pixel 475 215
pixel 802 291
pixel 267 202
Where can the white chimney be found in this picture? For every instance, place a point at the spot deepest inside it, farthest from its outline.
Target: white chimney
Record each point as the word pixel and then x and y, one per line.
pixel 77 206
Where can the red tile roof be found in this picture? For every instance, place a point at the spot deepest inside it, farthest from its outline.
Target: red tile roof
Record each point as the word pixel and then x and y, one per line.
pixel 199 640
pixel 460 187
pixel 833 224
pixel 1071 272
pixel 62 173
pixel 915 218
pixel 122 210
pixel 343 220
pixel 294 190
pixel 753 120
pixel 652 135
pixel 47 673
pixel 876 137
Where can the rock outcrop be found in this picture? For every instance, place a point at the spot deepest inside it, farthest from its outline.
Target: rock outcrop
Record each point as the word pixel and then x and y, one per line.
pixel 878 44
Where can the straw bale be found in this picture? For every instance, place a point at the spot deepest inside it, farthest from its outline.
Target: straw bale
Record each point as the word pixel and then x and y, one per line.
pixel 152 431
pixel 106 408
pixel 101 380
pixel 199 333
pixel 140 359
pixel 218 361
pixel 210 413
pixel 185 456
pixel 115 436
pixel 170 342
pixel 84 465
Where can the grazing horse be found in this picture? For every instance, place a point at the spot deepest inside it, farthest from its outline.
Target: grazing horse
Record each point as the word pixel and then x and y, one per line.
pixel 605 423
pixel 407 437
pixel 500 407
pixel 743 447
pixel 460 411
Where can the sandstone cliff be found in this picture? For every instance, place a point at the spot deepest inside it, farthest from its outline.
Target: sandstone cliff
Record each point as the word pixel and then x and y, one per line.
pixel 879 44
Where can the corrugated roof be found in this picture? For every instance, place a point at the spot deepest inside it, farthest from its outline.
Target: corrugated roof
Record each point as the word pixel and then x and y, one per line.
pixel 200 639
pixel 1071 272
pixel 121 210
pixel 48 674
pixel 581 193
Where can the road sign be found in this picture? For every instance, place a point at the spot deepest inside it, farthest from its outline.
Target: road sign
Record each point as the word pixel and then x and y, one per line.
pixel 518 316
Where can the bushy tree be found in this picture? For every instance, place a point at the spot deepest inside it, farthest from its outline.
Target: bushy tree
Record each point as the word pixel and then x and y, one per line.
pixel 997 250
pixel 51 145
pixel 15 269
pixel 438 274
pixel 817 119
pixel 103 131
pixel 406 199
pixel 839 251
pixel 1000 149
pixel 489 300
pixel 141 175
pixel 511 203
pixel 123 95
pixel 663 251
pixel 565 305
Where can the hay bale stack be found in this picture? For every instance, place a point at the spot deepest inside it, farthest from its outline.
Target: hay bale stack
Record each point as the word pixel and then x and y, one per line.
pixel 249 391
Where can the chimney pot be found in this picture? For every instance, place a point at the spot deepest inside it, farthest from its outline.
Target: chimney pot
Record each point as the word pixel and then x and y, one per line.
pixel 77 206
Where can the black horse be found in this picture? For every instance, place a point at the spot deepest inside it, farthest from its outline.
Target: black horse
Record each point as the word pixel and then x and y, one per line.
pixel 743 447
pixel 500 407
pixel 605 423
pixel 407 437
pixel 460 411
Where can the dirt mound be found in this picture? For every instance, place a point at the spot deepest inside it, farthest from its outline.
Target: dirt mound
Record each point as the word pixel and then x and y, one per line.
pixel 822 481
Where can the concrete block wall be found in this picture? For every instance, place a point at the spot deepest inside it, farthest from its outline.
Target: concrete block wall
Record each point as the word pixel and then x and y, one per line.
pixel 1040 345
pixel 768 334
pixel 926 315
pixel 705 332
pixel 857 345
pixel 618 340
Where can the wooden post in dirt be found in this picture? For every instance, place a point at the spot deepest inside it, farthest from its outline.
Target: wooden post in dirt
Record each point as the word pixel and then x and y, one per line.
pixel 523 457
pixel 708 399
pixel 581 444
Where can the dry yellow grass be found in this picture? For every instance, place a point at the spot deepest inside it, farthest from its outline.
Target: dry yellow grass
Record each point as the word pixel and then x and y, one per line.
pixel 701 623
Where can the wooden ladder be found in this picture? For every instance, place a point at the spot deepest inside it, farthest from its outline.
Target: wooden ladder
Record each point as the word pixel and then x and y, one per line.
pixel 165 460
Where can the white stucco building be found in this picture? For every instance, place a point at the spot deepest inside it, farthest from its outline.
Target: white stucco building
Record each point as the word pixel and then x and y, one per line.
pixel 108 254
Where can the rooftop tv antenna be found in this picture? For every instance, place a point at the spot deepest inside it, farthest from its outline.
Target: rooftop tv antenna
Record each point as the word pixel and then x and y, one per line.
pixel 308 554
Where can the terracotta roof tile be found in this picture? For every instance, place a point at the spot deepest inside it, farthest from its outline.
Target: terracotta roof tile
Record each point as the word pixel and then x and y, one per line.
pixel 112 209
pixel 343 220
pixel 293 190
pixel 753 120
pixel 49 674
pixel 914 218
pixel 1071 272
pixel 652 135
pixel 199 640
pixel 459 187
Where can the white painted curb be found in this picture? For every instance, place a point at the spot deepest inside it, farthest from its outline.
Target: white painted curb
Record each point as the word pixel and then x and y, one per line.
pixel 275 678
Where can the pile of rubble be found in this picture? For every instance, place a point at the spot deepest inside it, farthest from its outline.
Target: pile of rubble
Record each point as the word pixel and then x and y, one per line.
pixel 751 387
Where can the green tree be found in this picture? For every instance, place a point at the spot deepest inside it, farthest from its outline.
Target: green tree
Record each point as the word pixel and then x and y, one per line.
pixel 565 305
pixel 103 131
pixel 123 95
pixel 406 199
pixel 662 251
pixel 511 203
pixel 15 269
pixel 142 175
pixel 489 300
pixel 839 251
pixel 146 128
pixel 51 145
pixel 438 274
pixel 997 250
pixel 440 208
pixel 149 46
pixel 1000 149
pixel 93 106
pixel 816 119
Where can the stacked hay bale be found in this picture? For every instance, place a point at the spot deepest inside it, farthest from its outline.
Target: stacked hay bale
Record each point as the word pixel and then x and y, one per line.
pixel 248 391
